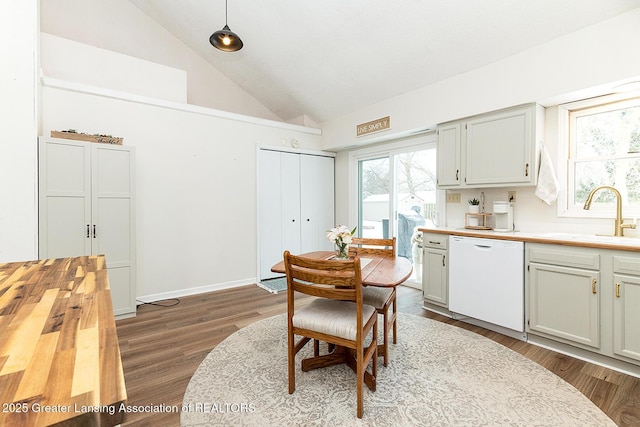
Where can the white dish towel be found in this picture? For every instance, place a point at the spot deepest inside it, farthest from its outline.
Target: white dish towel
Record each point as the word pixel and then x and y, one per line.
pixel 547 188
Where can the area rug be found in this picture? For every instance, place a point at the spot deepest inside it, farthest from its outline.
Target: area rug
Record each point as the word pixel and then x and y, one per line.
pixel 438 375
pixel 279 284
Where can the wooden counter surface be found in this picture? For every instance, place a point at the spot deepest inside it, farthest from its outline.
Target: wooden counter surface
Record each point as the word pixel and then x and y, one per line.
pixel 580 240
pixel 59 354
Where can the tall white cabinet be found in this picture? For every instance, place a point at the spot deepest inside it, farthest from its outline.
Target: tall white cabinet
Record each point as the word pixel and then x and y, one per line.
pixel 86 207
pixel 295 205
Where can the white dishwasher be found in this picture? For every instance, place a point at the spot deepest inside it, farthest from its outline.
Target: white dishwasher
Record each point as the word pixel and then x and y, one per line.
pixel 486 280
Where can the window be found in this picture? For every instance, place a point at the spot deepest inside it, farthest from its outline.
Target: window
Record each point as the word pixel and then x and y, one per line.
pixel 603 149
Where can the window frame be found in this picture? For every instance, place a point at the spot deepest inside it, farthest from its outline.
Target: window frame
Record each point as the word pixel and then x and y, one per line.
pixel 567 160
pixel 393 147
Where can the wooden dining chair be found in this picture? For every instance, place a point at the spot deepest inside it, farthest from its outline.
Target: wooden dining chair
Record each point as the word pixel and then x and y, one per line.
pixel 337 316
pixel 380 298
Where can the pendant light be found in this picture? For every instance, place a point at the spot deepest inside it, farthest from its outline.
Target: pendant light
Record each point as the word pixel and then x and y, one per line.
pixel 225 39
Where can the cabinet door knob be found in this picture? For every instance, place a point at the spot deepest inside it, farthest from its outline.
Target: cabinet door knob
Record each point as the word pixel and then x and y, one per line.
pixel 617 290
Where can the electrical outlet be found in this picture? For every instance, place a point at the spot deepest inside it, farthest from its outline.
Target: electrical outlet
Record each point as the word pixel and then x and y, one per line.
pixel 511 196
pixel 453 197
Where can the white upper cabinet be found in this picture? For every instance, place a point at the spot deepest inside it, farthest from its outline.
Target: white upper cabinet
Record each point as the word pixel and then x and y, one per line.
pixel 496 149
pixel 449 160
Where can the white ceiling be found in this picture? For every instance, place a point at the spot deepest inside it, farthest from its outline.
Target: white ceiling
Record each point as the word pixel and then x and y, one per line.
pixel 327 58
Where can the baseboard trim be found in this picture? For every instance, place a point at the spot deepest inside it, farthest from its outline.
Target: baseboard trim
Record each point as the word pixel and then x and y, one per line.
pixel 585 355
pixel 194 291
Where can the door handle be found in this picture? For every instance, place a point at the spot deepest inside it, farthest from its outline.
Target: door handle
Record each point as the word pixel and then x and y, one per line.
pixel 617 290
pixel 94 231
pixel 443 257
pixel 594 282
pixel 88 231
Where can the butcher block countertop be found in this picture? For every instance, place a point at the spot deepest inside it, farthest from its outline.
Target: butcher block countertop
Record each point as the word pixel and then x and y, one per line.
pixel 557 238
pixel 59 353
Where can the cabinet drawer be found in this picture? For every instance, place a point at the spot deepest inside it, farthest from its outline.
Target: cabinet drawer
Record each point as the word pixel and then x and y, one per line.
pixel 568 257
pixel 436 241
pixel 626 265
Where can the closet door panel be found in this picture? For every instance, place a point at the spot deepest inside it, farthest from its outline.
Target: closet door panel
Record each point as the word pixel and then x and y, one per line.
pixel 290 181
pixel 270 213
pixel 316 202
pixel 65 199
pixel 112 208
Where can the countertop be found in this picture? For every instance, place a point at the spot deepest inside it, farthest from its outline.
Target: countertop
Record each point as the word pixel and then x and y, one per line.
pixel 59 352
pixel 556 238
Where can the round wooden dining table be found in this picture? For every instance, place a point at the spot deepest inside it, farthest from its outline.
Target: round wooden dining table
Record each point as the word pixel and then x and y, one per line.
pixel 380 271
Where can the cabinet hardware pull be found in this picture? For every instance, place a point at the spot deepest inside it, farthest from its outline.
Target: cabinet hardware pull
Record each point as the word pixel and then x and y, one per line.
pixel 88 231
pixel 434 242
pixel 443 257
pixel 457 171
pixel 526 169
pixel 94 231
pixel 594 281
pixel 617 290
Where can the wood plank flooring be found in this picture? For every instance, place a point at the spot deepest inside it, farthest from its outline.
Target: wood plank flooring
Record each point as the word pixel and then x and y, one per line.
pixel 163 346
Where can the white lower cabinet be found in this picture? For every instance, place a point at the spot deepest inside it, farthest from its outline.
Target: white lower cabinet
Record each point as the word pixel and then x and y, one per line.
pixel 584 297
pixel 564 302
pixel 435 282
pixel 626 306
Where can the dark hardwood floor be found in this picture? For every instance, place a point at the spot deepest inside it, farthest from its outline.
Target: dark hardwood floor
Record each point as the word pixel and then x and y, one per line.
pixel 164 345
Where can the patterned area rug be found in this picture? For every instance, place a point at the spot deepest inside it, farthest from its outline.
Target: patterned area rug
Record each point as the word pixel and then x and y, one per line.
pixel 438 375
pixel 274 286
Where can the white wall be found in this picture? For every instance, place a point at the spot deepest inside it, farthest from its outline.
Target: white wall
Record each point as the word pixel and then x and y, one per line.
pixel 119 26
pixel 18 127
pixel 195 185
pixel 81 63
pixel 580 65
pixel 594 56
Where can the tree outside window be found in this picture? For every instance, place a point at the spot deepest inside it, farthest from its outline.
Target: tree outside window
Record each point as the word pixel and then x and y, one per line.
pixel 605 150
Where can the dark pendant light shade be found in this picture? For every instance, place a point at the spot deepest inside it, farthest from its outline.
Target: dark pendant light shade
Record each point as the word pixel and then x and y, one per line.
pixel 225 39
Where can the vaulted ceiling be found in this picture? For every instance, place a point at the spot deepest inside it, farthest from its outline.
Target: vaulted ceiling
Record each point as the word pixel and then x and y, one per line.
pixel 327 58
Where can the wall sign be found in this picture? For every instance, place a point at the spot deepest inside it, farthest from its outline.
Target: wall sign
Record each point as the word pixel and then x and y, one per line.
pixel 373 126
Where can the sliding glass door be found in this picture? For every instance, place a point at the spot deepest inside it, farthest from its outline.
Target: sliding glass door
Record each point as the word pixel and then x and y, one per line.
pixel 397 195
pixel 374 190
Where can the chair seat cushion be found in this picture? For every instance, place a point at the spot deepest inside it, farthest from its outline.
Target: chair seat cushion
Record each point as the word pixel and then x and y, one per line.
pixel 332 317
pixel 376 296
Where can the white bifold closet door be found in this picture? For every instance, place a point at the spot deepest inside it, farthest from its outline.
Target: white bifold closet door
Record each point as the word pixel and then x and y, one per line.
pixel 295 205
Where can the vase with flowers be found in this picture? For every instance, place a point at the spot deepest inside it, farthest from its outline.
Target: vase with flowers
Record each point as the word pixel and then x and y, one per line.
pixel 341 237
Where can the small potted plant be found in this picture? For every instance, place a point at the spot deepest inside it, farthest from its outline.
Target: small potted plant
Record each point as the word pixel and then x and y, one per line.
pixel 474 208
pixel 474 205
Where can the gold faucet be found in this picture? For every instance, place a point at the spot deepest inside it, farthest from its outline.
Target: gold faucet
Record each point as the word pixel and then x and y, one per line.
pixel 619 224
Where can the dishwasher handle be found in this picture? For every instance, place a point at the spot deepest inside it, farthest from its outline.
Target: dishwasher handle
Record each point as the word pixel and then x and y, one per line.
pixel 483 247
